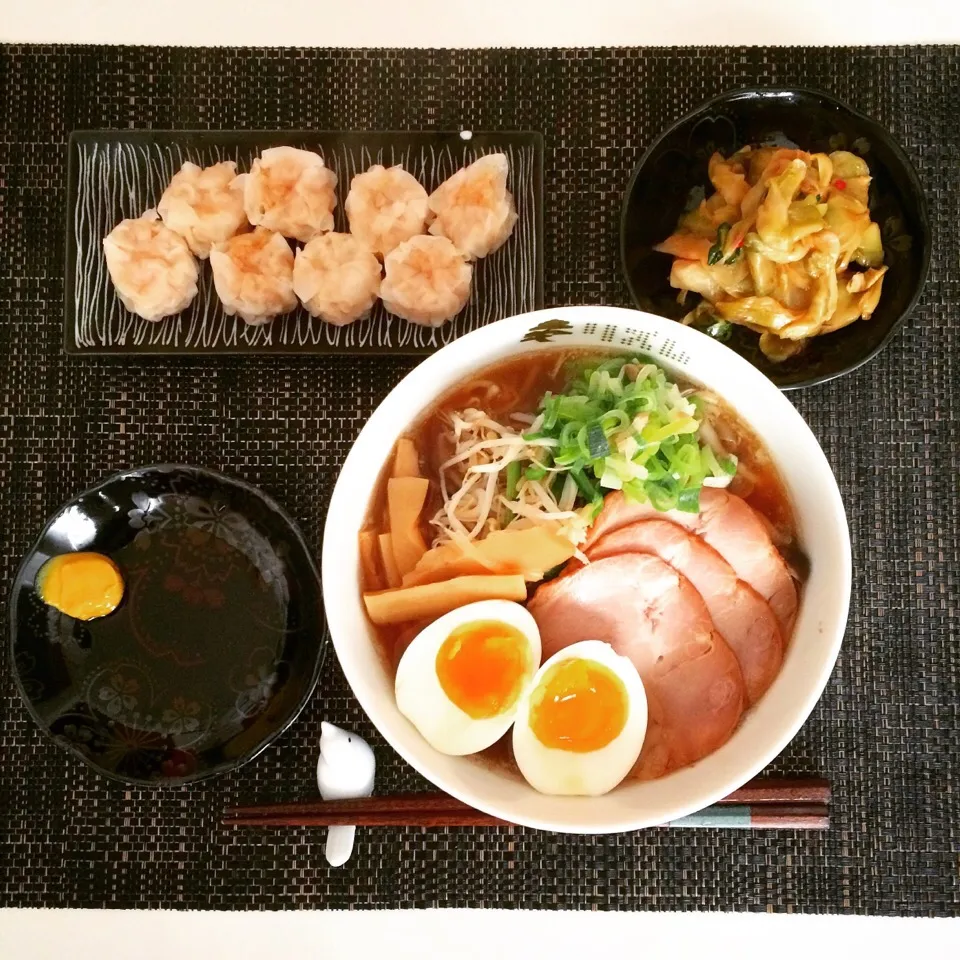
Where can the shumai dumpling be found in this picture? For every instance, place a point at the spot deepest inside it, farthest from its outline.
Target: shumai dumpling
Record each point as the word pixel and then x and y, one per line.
pixel 292 192
pixel 427 281
pixel 253 274
pixel 204 205
pixel 337 278
pixel 152 268
pixel 474 209
pixel 385 206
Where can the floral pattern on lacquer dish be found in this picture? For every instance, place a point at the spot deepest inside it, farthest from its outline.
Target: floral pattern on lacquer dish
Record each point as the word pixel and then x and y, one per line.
pixel 117 696
pixel 182 716
pixel 218 523
pixel 257 680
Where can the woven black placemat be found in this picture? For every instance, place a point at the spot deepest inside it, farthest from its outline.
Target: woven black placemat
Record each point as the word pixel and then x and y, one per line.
pixel 886 732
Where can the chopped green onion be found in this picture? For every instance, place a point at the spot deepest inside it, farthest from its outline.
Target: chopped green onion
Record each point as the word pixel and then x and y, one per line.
pixel 597 442
pixel 656 434
pixel 615 419
pixel 550 409
pixel 710 463
pixel 635 491
pixel 611 480
pixel 721 330
pixel 582 445
pixel 688 500
pixel 687 460
pixel 662 497
pixel 568 435
pixel 614 365
pixel 622 424
pixel 716 251
pixel 513 479
pixel 584 484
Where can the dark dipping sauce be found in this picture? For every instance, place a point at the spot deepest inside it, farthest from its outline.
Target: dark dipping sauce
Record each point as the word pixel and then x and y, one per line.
pixel 517 386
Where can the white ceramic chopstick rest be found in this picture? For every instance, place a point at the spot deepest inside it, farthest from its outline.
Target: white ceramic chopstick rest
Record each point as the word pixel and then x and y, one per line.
pixel 345 771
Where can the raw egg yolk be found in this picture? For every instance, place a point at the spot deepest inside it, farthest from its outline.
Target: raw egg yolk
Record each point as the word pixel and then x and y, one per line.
pixel 482 667
pixel 579 706
pixel 81 585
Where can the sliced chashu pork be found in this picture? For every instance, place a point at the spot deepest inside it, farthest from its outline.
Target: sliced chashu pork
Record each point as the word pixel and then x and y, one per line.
pixel 742 617
pixel 729 525
pixel 650 613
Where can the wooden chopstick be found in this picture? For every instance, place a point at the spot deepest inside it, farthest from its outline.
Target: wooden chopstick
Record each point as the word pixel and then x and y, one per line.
pixel 759 803
pixel 464 817
pixel 763 816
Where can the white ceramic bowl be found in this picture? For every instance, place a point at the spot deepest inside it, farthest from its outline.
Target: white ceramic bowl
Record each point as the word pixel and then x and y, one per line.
pixel 812 651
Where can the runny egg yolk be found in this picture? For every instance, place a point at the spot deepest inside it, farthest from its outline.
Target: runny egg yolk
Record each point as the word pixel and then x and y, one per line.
pixel 81 585
pixel 482 667
pixel 579 706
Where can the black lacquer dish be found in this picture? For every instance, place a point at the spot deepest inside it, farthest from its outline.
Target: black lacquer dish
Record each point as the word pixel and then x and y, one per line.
pixel 215 648
pixel 675 166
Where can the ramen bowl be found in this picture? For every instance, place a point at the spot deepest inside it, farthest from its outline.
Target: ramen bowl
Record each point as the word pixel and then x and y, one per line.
pixel 822 531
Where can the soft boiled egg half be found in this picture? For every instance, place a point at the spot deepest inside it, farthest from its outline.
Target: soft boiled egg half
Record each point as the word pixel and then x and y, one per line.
pixel 581 726
pixel 462 678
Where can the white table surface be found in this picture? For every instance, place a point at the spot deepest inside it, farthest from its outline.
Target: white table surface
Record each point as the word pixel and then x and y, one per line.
pixel 479 23
pixel 468 934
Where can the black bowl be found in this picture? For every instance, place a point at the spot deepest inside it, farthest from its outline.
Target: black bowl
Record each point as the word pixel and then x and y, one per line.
pixel 215 648
pixel 676 164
